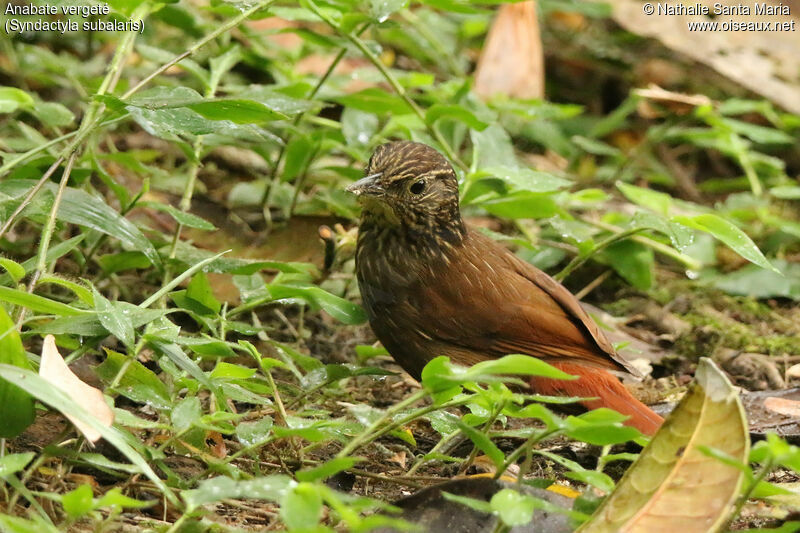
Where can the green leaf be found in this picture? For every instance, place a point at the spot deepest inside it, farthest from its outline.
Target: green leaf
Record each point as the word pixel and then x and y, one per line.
pixel 13 463
pixel 182 217
pixel 327 469
pixel 113 263
pixel 53 114
pixel 381 9
pixel 37 303
pixel 236 110
pixel 57 399
pixel 12 99
pixel 199 290
pixel 522 204
pixel 760 283
pixel 728 233
pixel 633 261
pixel 455 112
pixel 343 310
pixel 272 488
pixel 514 509
pixel 138 383
pixel 657 201
pixel 483 443
pixel 222 64
pixel 492 148
pixel 375 100
pixel 254 433
pixel 526 179
pixel 14 269
pixel 16 406
pixel 114 319
pixel 358 127
pixel 301 507
pixel 186 413
pixel 516 364
pixel 78 502
pixel 115 498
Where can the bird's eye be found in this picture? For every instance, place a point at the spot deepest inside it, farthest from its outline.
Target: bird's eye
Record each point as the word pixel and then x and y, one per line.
pixel 417 187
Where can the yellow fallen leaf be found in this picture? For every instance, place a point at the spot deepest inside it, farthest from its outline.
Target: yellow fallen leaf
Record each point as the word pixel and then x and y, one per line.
pixel 55 370
pixel 674 486
pixel 512 60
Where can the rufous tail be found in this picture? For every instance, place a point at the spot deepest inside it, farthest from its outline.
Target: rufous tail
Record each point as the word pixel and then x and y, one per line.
pixel 594 382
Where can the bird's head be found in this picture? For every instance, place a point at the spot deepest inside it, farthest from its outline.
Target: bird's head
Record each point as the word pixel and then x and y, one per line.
pixel 409 184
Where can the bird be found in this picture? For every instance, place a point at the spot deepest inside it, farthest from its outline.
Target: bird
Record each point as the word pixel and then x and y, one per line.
pixel 432 286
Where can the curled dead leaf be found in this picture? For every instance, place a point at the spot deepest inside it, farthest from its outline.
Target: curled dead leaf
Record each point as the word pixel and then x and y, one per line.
pixel 54 370
pixel 512 61
pixel 674 485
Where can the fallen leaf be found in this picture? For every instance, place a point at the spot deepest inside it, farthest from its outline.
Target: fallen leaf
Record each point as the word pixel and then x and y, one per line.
pixel 55 370
pixel 674 485
pixel 512 61
pixel 783 406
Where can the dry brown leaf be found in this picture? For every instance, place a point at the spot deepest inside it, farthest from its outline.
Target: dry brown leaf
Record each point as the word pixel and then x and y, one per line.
pixel 55 370
pixel 783 406
pixel 512 61
pixel 674 485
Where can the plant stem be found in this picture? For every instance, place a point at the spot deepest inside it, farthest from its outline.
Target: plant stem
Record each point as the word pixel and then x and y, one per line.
pixel 765 469
pixel 579 260
pixel 663 249
pixel 197 46
pixel 299 118
pixel 398 88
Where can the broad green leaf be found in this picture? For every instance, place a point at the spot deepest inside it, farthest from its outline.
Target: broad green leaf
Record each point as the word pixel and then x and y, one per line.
pixel 375 100
pixel 483 443
pixel 221 65
pixel 55 398
pixel 115 498
pixel 455 112
pixel 14 524
pixel 84 294
pixel 633 261
pixel 53 114
pixel 301 507
pixel 14 462
pixel 673 465
pixel 514 508
pixel 760 283
pixel 254 433
pixel 199 290
pixel 37 303
pixel 526 179
pixel 138 383
pixel 728 233
pixel 522 204
pixel 358 127
pixel 113 263
pixel 186 219
pixel 78 502
pixel 12 99
pixel 239 111
pixel 16 406
pixel 327 469
pixel 14 269
pixel 492 148
pixel 339 308
pixel 657 201
pixel 272 488
pixel 186 413
pixel 381 9
pixel 114 319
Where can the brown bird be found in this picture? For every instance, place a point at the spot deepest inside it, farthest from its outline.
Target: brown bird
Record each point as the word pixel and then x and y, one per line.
pixel 432 286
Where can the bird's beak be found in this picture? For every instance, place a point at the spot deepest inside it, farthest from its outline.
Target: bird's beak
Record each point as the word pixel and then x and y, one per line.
pixel 367 186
